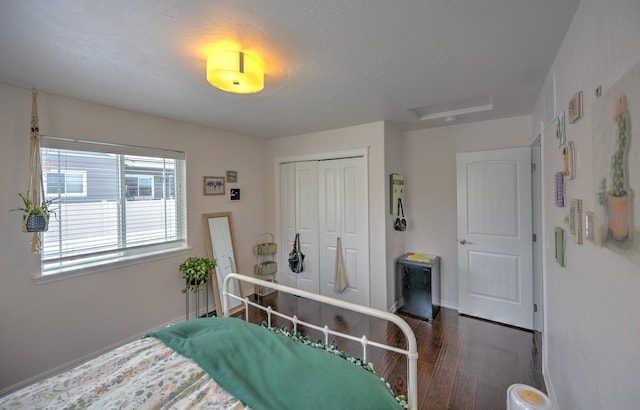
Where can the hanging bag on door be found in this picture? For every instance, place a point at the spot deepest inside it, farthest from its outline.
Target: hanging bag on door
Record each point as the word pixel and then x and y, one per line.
pixel 296 257
pixel 401 223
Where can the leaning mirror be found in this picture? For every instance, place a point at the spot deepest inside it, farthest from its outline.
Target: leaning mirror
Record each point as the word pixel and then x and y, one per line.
pixel 221 247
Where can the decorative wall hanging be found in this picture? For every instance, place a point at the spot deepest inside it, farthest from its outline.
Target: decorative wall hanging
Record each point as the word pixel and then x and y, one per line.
pixel 617 165
pixel 575 108
pixel 559 242
pixel 568 165
pixel 265 250
pixel 560 135
pixel 234 194
pixel 213 185
pixel 575 220
pixel 34 202
pixel 559 184
pixel 396 184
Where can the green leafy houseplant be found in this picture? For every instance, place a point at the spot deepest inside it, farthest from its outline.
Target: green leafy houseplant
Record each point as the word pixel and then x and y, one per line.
pixel 30 208
pixel 195 271
pixel 36 219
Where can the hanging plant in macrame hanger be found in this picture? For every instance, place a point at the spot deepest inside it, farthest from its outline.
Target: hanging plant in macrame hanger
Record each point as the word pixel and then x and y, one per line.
pixel 36 210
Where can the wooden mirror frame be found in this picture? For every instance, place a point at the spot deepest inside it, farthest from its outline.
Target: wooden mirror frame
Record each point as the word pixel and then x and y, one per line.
pixel 217 277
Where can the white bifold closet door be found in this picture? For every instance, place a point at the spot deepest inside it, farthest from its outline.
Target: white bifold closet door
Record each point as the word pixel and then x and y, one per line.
pixel 299 214
pixel 324 200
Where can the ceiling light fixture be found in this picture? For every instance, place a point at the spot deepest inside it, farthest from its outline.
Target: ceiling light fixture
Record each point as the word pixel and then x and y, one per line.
pixel 235 72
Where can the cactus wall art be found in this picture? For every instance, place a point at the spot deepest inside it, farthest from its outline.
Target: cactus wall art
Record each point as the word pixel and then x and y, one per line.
pixel 617 166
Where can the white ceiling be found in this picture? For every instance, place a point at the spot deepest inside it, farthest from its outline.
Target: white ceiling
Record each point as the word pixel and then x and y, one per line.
pixel 329 63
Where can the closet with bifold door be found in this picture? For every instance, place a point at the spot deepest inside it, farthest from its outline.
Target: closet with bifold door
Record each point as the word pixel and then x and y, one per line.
pixel 325 201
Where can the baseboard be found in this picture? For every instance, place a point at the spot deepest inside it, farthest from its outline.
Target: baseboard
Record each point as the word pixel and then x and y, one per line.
pixel 550 390
pixel 394 307
pixel 448 305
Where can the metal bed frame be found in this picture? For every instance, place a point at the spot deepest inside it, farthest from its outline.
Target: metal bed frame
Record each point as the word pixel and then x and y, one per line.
pixel 411 353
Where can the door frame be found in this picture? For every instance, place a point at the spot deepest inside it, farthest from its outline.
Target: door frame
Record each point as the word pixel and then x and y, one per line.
pixel 526 251
pixel 538 248
pixel 313 156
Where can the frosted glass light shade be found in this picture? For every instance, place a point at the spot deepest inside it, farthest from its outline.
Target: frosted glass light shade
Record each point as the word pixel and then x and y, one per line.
pixel 235 72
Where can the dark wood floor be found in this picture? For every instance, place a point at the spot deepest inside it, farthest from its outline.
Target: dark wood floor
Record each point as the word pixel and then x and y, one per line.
pixel 464 363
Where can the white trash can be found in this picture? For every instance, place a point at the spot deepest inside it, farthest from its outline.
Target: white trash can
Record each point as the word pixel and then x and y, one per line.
pixel 523 397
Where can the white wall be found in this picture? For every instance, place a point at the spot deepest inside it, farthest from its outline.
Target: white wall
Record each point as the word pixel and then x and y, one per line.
pixel 592 326
pixel 50 325
pixel 430 181
pixel 369 136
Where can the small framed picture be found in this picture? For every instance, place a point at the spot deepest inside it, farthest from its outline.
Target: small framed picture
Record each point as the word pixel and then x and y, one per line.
pixel 560 130
pixel 232 177
pixel 575 108
pixel 575 220
pixel 213 185
pixel 568 167
pixel 590 227
pixel 559 181
pixel 234 194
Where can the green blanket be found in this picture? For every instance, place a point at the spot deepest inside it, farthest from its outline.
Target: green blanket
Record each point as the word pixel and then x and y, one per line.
pixel 269 371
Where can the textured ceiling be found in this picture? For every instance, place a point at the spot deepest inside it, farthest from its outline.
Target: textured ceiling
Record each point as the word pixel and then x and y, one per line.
pixel 329 63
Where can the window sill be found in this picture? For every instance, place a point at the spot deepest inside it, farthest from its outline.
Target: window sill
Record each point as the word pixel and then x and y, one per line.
pixel 108 265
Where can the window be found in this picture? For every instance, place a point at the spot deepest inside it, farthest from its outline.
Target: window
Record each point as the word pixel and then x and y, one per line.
pixel 70 183
pixel 139 186
pixel 112 203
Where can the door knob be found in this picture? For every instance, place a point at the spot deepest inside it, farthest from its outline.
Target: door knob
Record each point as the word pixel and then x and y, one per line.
pixel 464 242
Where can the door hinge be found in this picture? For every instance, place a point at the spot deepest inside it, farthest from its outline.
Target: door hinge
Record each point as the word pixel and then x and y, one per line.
pixel 533 167
pixel 535 307
pixel 535 238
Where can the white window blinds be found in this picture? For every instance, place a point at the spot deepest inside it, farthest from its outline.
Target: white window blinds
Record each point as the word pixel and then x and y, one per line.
pixel 111 202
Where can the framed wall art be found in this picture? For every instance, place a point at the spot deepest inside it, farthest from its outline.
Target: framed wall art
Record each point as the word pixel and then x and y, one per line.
pixel 232 177
pixel 616 165
pixel 575 108
pixel 213 185
pixel 560 134
pixel 568 166
pixel 575 220
pixel 559 185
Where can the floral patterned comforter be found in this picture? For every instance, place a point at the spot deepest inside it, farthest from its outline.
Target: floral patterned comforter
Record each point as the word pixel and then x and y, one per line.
pixel 144 374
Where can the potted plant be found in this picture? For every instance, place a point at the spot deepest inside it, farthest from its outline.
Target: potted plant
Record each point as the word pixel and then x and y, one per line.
pixel 195 271
pixel 36 219
pixel 618 199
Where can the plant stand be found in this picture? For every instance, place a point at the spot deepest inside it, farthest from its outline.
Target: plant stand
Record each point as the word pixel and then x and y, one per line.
pixel 197 297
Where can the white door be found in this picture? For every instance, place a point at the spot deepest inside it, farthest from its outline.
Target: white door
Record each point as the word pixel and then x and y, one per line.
pixel 343 212
pixel 495 236
pixel 299 214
